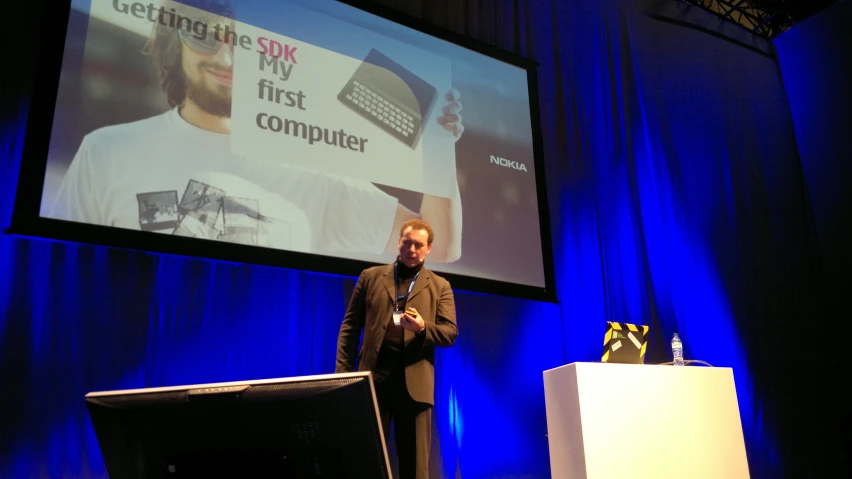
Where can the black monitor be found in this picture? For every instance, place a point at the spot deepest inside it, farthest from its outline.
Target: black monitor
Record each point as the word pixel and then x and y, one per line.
pixel 304 427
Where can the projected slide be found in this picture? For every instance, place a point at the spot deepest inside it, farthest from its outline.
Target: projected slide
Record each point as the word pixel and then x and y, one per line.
pixel 304 126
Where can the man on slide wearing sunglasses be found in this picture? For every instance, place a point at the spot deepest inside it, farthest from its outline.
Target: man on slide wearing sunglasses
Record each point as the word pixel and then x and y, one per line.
pixel 171 173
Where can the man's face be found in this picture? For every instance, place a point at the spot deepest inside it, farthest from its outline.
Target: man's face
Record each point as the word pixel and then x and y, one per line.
pixel 413 247
pixel 209 78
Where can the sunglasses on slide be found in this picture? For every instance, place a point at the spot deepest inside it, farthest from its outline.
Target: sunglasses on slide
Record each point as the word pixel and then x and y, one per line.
pixel 208 45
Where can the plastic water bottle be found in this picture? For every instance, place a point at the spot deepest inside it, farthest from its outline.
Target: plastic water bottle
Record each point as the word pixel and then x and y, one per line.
pixel 677 350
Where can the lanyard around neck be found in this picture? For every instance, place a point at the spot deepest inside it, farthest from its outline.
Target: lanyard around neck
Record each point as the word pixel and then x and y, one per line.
pixel 396 286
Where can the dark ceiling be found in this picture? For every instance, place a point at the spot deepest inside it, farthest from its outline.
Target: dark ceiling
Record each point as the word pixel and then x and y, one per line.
pixel 764 18
pixel 802 9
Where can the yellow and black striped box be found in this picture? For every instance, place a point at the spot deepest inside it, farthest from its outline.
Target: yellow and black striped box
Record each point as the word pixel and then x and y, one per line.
pixel 625 343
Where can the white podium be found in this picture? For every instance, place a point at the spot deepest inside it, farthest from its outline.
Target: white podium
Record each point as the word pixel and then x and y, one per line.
pixel 641 421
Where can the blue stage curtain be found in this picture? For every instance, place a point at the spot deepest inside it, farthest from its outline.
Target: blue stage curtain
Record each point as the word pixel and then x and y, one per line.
pixel 676 199
pixel 816 64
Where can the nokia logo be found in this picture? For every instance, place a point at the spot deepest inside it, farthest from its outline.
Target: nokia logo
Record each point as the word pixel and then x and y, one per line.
pixel 507 163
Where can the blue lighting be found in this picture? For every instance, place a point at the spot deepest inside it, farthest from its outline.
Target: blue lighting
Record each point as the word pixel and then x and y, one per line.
pixel 647 189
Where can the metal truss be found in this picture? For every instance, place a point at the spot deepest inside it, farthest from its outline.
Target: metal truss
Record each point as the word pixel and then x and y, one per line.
pixel 764 18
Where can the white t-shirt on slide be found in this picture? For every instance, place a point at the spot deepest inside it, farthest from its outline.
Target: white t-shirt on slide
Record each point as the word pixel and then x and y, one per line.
pixel 163 174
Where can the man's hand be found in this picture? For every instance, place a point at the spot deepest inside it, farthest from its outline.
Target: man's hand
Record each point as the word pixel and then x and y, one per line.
pixel 412 321
pixel 443 213
pixel 451 119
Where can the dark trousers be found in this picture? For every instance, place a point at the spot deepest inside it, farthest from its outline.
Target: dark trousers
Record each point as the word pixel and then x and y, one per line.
pixel 412 426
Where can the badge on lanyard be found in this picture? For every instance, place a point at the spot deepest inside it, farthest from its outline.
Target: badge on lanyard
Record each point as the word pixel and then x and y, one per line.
pixel 397 312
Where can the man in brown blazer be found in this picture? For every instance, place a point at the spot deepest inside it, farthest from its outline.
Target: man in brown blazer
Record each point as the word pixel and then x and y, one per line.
pixel 405 311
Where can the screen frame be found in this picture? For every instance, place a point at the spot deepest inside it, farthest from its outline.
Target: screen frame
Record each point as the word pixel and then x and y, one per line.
pixel 27 222
pixel 105 405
